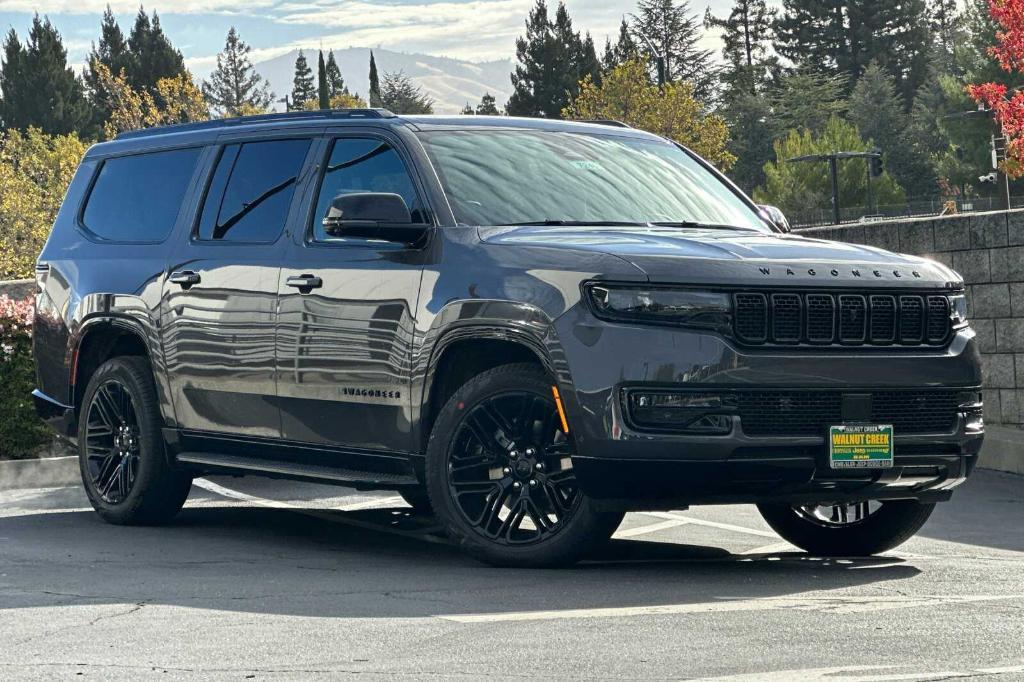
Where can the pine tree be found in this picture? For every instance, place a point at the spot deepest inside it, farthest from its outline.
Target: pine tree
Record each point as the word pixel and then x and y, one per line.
pixel 112 52
pixel 746 37
pixel 550 59
pixel 844 37
pixel 949 31
pixel 467 110
pixel 153 56
pixel 376 100
pixel 234 88
pixel 808 100
pixel 488 106
pixel 401 96
pixel 676 33
pixel 878 111
pixel 587 63
pixel 335 83
pixel 303 89
pixel 39 88
pixel 323 91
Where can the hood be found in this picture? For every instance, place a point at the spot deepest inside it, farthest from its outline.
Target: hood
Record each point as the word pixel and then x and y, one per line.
pixel 734 257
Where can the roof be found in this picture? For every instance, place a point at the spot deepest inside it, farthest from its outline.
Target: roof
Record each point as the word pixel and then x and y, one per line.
pixel 201 132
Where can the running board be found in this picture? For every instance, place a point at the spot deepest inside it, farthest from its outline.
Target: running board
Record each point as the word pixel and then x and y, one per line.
pixel 295 470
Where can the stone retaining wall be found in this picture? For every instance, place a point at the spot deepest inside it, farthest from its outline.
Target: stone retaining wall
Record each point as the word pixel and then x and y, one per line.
pixel 17 288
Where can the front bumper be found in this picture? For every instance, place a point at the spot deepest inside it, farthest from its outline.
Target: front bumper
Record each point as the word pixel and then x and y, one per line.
pixel 632 469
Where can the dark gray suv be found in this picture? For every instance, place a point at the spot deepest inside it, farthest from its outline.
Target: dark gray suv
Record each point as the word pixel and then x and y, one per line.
pixel 526 327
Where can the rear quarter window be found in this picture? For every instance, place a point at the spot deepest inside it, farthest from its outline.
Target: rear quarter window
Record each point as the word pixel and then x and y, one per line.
pixel 137 198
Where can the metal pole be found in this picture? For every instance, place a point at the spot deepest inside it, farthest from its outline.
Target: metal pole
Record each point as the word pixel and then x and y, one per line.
pixel 834 168
pixel 871 193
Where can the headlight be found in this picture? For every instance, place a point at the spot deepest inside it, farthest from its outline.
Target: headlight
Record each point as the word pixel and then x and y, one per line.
pixel 958 311
pixel 684 307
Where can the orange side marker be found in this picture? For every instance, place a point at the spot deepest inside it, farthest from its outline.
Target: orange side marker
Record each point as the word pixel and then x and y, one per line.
pixel 561 410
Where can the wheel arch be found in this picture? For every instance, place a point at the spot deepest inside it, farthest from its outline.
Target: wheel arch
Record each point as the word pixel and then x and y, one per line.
pixel 98 340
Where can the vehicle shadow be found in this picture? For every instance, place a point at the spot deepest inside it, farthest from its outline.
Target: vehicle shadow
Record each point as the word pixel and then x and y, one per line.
pixel 277 561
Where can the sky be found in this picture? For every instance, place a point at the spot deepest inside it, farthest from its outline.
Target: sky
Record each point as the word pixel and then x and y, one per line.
pixel 473 30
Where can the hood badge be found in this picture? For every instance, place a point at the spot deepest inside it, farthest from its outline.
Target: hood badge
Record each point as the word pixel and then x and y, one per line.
pixel 852 274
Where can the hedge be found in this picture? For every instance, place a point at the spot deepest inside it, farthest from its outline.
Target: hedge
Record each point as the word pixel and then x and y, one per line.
pixel 21 431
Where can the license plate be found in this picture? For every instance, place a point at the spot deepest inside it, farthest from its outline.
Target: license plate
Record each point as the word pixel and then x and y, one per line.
pixel 860 446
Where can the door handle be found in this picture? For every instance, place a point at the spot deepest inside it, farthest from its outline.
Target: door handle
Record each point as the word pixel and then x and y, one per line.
pixel 185 278
pixel 304 283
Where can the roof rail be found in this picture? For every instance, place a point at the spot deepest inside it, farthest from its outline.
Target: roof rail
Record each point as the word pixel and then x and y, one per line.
pixel 608 122
pixel 318 115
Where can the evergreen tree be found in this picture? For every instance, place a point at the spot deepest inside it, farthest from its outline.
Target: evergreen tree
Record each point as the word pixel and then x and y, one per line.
pixel 303 89
pixel 322 88
pixel 335 83
pixel 877 109
pixel 376 101
pixel 949 31
pixel 113 53
pixel 467 110
pixel 153 56
pixel 488 106
pixel 39 88
pixel 401 96
pixel 235 88
pixel 844 37
pixel 746 37
pixel 550 57
pixel 808 100
pixel 676 33
pixel 587 63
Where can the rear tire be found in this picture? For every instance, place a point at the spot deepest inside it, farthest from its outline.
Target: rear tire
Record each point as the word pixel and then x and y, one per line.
pixel 889 526
pixel 485 459
pixel 121 450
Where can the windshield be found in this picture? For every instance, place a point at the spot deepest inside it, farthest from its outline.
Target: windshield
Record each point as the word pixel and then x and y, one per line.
pixel 515 177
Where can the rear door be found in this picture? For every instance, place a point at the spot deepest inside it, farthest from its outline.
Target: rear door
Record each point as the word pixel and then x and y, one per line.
pixel 221 296
pixel 345 344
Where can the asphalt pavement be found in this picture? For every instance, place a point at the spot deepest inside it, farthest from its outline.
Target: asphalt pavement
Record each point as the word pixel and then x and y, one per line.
pixel 262 579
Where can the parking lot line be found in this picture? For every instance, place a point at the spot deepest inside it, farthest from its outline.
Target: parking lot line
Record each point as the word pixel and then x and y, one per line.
pixel 835 605
pixel 714 524
pixel 650 528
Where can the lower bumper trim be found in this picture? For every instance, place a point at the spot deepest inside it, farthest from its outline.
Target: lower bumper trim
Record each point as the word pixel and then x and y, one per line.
pixel 58 416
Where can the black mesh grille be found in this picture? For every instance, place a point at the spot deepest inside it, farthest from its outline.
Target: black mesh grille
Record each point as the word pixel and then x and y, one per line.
pixel 848 318
pixel 938 318
pixel 911 318
pixel 810 413
pixel 883 319
pixel 786 313
pixel 853 317
pixel 752 317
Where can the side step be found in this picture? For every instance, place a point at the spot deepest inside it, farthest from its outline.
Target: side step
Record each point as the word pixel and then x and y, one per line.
pixel 295 470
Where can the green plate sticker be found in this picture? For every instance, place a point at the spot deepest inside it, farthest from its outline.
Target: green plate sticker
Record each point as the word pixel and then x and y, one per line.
pixel 856 446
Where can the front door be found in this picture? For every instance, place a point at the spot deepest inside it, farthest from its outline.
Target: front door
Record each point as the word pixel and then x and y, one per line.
pixel 346 312
pixel 220 311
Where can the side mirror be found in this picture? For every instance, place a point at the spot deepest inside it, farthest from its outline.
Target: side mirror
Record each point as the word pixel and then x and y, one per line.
pixel 776 217
pixel 372 215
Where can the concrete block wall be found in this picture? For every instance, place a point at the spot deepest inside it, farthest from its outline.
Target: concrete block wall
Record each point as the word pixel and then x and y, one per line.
pixel 988 250
pixel 17 288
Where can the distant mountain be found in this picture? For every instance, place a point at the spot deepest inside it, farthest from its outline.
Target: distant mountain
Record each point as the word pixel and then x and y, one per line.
pixel 451 82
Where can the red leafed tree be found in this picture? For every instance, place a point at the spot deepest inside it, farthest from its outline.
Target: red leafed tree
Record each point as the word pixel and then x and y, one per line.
pixel 1009 51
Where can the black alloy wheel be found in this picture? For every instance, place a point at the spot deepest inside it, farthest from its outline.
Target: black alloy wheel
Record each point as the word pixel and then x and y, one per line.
pixel 113 442
pixel 510 469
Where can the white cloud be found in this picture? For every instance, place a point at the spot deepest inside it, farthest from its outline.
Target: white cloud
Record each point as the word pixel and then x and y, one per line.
pixel 131 6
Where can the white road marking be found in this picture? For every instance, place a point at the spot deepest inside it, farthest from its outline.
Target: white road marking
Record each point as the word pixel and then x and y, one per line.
pixel 650 528
pixel 426 534
pixel 372 504
pixel 714 524
pixel 859 673
pixel 834 605
pixel 773 548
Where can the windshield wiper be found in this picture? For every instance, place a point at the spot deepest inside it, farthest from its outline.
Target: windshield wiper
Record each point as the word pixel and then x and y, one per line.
pixel 573 223
pixel 693 225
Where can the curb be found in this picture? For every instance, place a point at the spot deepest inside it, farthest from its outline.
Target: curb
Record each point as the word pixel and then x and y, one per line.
pixel 50 472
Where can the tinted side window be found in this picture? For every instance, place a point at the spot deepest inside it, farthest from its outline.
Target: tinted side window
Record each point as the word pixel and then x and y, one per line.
pixel 251 191
pixel 137 198
pixel 364 165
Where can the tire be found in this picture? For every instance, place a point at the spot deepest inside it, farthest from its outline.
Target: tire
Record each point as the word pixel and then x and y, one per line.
pixel 889 526
pixel 564 523
pixel 418 499
pixel 137 486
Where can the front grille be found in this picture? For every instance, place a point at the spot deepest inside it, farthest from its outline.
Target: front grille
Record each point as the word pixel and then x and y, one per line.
pixel 810 413
pixel 849 319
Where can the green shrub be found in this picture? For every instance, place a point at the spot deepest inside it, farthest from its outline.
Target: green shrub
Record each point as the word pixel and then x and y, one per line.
pixel 21 431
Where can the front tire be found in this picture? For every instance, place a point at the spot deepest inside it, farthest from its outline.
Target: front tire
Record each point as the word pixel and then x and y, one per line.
pixel 860 529
pixel 500 477
pixel 120 447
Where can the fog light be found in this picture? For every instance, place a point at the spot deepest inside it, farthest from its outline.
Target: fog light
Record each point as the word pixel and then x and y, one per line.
pixel 705 413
